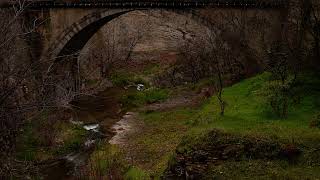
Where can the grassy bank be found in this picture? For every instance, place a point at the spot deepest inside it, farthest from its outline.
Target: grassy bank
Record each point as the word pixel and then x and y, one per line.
pixel 247 114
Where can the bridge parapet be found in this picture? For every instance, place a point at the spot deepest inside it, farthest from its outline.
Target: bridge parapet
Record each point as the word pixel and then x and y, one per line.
pixel 161 4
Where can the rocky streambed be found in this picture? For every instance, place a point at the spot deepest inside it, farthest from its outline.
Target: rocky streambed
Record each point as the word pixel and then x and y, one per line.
pixel 101 117
pixel 104 120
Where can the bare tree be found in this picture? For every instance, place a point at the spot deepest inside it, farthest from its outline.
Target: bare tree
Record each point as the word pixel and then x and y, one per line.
pixel 296 51
pixel 219 53
pixel 113 47
pixel 207 56
pixel 13 74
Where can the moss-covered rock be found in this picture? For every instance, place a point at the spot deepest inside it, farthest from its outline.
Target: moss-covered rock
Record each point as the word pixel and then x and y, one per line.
pixel 194 158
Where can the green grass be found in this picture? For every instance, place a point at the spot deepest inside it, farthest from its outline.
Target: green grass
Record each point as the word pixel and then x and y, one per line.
pixel 107 160
pixel 139 98
pixel 136 174
pixel 247 113
pixel 155 145
pixel 134 98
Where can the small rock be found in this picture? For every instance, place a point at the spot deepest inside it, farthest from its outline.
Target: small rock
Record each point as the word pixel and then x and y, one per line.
pixel 140 87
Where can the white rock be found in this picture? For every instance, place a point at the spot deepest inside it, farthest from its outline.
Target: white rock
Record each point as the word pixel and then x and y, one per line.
pixel 140 87
pixel 93 127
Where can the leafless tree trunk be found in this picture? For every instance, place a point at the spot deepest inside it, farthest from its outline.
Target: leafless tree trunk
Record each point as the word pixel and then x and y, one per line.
pixel 21 94
pixel 13 74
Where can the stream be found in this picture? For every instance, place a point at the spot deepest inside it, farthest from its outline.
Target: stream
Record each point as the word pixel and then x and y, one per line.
pixel 102 117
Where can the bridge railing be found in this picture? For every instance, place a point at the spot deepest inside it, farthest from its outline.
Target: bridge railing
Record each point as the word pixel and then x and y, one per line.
pixel 158 3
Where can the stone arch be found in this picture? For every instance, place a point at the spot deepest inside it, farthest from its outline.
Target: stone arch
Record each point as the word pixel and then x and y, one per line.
pixel 74 38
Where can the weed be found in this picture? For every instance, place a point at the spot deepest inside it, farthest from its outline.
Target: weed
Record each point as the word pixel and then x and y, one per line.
pixel 105 162
pixel 135 173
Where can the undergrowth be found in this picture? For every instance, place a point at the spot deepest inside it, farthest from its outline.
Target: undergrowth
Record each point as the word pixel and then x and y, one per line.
pixel 47 136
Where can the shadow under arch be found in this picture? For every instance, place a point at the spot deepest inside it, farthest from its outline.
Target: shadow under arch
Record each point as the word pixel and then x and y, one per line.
pixel 73 39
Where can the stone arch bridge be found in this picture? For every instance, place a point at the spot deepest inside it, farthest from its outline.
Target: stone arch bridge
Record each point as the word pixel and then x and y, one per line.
pixel 69 24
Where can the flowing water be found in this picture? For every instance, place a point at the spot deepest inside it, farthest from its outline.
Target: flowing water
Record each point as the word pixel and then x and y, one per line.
pixel 97 114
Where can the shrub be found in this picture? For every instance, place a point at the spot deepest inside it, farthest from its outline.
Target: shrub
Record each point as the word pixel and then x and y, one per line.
pixel 280 95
